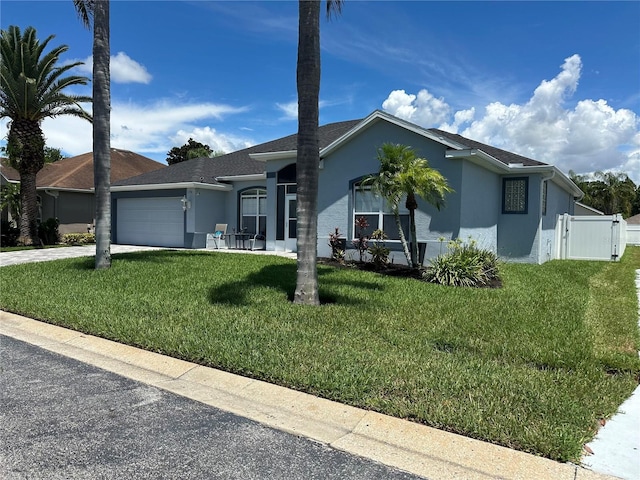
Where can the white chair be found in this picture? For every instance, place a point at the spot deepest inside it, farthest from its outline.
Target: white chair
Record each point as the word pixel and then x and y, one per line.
pixel 257 242
pixel 219 235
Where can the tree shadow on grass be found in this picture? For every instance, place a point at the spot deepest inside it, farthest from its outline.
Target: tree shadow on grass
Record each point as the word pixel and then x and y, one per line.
pixel 148 256
pixel 283 278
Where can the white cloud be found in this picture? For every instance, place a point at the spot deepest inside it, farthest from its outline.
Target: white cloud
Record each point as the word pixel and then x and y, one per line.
pixel 123 69
pixel 146 129
pixel 209 136
pixel 421 109
pixel 290 110
pixel 590 136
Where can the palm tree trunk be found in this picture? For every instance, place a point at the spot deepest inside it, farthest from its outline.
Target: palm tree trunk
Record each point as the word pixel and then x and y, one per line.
pixel 403 239
pixel 26 149
pixel 101 133
pixel 412 205
pixel 308 83
pixel 29 217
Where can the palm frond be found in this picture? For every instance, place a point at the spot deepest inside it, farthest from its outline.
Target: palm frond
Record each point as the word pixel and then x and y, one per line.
pixel 84 9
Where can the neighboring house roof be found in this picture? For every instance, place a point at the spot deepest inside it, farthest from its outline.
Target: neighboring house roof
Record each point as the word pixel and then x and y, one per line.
pixel 208 170
pixel 76 173
pixel 9 173
pixel 250 161
pixel 635 220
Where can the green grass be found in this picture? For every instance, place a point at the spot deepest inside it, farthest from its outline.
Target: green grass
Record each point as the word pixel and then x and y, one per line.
pixel 531 366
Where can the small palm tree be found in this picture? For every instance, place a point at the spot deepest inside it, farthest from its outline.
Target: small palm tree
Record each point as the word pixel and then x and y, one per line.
pixel 308 162
pixel 32 89
pixel 403 174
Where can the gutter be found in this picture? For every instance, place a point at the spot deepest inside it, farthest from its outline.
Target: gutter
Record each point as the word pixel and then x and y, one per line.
pixel 170 186
pixel 266 156
pixel 239 178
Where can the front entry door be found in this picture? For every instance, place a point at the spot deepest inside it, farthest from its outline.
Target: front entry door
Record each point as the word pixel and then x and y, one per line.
pixel 290 223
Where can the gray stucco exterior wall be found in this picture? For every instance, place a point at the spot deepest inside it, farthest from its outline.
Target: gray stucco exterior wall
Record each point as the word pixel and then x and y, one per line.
pixel 480 196
pixel 358 158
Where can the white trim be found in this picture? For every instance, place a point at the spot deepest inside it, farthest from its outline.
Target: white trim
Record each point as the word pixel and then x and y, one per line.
pixel 267 156
pixel 170 186
pixel 239 178
pixel 74 190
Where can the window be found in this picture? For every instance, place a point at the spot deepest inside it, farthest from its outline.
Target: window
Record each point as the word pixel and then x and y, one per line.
pixel 253 211
pixel 544 197
pixel 376 211
pixel 514 195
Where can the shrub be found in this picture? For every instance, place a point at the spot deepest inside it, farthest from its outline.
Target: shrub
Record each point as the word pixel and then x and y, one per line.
pixel 48 231
pixel 9 234
pixel 362 242
pixel 378 250
pixel 78 238
pixel 463 265
pixel 338 246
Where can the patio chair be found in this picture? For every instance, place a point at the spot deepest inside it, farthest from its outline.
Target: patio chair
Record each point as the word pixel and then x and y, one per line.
pixel 257 242
pixel 219 234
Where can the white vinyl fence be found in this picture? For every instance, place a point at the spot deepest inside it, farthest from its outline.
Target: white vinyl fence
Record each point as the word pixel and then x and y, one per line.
pixel 598 237
pixel 633 234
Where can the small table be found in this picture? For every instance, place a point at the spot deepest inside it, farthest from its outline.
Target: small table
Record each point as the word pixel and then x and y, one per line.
pixel 241 238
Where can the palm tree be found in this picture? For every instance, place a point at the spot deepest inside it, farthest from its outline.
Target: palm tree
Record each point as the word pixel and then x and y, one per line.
pixel 31 89
pixel 403 174
pixel 99 10
pixel 615 191
pixel 308 84
pixel 609 192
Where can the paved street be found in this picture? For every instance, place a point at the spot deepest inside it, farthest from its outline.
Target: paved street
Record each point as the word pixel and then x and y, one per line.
pixel 65 419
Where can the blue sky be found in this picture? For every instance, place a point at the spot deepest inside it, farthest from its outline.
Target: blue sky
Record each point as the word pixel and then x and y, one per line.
pixel 555 81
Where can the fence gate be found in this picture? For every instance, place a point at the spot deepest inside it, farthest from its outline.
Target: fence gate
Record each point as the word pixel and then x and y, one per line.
pixel 597 237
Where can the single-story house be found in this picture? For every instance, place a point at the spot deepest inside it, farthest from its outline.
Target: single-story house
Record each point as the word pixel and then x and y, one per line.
pixel 66 189
pixel 506 202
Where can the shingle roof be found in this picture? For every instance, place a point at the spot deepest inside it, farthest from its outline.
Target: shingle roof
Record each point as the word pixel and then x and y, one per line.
pixel 635 220
pixel 497 153
pixel 205 170
pixel 8 172
pixel 77 172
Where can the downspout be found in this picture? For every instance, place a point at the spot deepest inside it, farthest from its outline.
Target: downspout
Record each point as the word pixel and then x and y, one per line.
pixel 541 204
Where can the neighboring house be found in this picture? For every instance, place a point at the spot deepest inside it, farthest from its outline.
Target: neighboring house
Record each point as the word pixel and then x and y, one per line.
pixel 506 202
pixel 635 220
pixel 65 188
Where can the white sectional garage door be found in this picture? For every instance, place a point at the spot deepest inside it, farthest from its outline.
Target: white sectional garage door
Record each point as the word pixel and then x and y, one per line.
pixel 157 221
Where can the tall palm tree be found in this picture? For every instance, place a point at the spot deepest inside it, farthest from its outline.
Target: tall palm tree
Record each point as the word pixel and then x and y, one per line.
pixel 403 174
pixel 32 89
pixel 99 10
pixel 308 161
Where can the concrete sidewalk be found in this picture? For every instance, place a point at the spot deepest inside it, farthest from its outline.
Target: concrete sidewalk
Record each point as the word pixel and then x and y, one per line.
pixel 397 443
pixel 48 254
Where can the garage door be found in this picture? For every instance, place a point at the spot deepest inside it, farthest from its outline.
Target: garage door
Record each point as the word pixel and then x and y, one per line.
pixel 157 222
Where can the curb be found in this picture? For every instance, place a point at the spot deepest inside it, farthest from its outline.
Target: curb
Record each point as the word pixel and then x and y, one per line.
pixel 405 445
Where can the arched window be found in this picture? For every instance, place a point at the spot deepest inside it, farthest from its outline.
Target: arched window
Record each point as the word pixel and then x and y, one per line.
pixel 253 210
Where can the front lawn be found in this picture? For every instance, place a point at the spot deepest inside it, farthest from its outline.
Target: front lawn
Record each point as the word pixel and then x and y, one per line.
pixel 531 366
